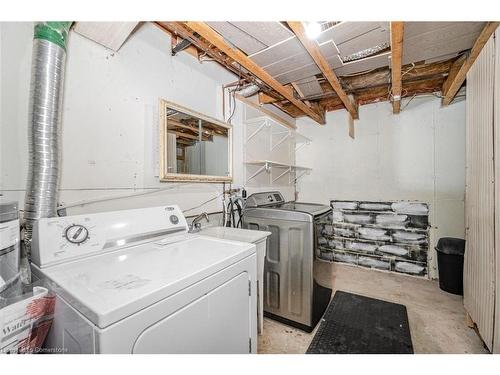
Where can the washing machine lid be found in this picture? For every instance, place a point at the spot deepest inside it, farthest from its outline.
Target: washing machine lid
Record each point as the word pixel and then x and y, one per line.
pixel 290 211
pixel 115 285
pixel 310 208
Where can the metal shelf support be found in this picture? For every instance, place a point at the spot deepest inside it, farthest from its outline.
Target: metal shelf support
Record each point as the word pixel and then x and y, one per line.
pixel 300 175
pixel 265 167
pixel 287 135
pixel 288 170
pixel 264 124
pixel 302 145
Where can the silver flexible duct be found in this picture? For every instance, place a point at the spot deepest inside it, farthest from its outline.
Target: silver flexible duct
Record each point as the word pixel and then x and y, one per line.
pixel 249 91
pixel 45 108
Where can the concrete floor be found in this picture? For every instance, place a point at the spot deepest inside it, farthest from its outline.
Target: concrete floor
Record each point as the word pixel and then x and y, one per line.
pixel 437 318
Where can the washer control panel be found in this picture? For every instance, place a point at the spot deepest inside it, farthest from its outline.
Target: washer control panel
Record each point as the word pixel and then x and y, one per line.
pixel 264 199
pixel 60 239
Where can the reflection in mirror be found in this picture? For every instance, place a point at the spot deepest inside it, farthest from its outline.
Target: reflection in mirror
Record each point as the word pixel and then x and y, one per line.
pixel 196 145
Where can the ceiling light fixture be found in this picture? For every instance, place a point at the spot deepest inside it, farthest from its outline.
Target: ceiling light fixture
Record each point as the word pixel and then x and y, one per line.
pixel 313 29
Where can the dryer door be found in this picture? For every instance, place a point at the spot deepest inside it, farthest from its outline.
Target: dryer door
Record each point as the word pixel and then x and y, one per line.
pixel 217 322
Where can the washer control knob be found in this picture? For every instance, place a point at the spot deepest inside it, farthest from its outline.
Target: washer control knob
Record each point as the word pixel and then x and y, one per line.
pixel 174 219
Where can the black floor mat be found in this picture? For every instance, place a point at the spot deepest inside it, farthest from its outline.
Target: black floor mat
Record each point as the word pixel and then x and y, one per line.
pixel 354 324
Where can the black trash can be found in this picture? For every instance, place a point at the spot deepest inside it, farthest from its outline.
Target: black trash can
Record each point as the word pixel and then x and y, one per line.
pixel 450 252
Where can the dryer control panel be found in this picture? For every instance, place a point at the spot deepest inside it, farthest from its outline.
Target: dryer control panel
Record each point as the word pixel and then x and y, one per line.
pixel 60 239
pixel 265 199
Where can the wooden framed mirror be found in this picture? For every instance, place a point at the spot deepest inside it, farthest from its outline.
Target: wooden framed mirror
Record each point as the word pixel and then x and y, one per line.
pixel 193 146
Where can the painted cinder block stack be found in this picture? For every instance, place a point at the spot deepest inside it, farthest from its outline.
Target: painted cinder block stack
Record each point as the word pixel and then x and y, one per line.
pixel 391 236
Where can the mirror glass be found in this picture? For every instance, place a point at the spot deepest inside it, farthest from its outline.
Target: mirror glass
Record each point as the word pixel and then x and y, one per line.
pixel 197 147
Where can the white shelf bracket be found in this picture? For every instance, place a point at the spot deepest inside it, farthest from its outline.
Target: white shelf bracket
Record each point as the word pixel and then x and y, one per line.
pixel 288 170
pixel 302 145
pixel 287 135
pixel 300 175
pixel 264 124
pixel 265 167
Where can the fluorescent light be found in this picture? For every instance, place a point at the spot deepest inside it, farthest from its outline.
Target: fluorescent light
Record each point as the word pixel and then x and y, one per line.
pixel 313 29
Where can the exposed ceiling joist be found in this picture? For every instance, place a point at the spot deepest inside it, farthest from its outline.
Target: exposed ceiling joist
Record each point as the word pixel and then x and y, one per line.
pixel 218 41
pixel 424 85
pixel 458 74
pixel 299 91
pixel 177 28
pixel 312 48
pixel 397 30
pixel 266 99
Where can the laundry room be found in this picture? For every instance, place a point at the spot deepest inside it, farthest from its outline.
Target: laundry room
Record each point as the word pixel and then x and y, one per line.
pixel 245 186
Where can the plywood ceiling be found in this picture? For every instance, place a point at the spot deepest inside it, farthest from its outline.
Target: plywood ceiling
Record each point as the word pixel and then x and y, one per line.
pixel 275 48
pixel 349 64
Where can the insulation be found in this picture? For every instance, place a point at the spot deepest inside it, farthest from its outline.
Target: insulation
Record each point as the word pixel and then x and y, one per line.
pixel 374 234
pixel 345 258
pixel 344 205
pixel 392 220
pixel 307 71
pixel 384 237
pixel 337 216
pixel 111 35
pixel 358 219
pixel 268 33
pixel 410 237
pixel 374 263
pixel 343 232
pixel 428 40
pixel 393 249
pixel 362 42
pixel 369 63
pixel 410 208
pixel 278 52
pixel 322 241
pixel 289 64
pixel 374 206
pixel 327 230
pixel 237 37
pixel 361 246
pixel 344 31
pixel 335 244
pixel 409 268
pixel 366 52
pixel 309 86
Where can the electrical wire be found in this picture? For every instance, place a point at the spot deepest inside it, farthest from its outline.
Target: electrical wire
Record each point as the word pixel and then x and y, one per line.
pixel 409 101
pixel 106 199
pixel 204 203
pixel 232 107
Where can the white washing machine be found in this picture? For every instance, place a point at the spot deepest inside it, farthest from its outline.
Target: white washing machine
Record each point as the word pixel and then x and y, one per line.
pixel 135 281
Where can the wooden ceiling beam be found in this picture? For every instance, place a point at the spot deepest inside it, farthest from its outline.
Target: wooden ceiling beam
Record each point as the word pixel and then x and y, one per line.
pixel 178 29
pixel 382 77
pixel 239 57
pixel 397 30
pixel 458 74
pixel 312 48
pixel 379 93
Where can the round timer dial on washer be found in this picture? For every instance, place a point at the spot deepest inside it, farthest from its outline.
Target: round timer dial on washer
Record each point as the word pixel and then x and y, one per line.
pixel 174 219
pixel 76 234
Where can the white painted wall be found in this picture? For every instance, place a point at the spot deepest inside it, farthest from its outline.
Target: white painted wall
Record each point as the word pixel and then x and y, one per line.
pixel 110 118
pixel 416 155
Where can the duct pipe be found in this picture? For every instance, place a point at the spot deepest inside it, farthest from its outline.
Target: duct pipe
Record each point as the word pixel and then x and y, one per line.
pixel 249 91
pixel 45 107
